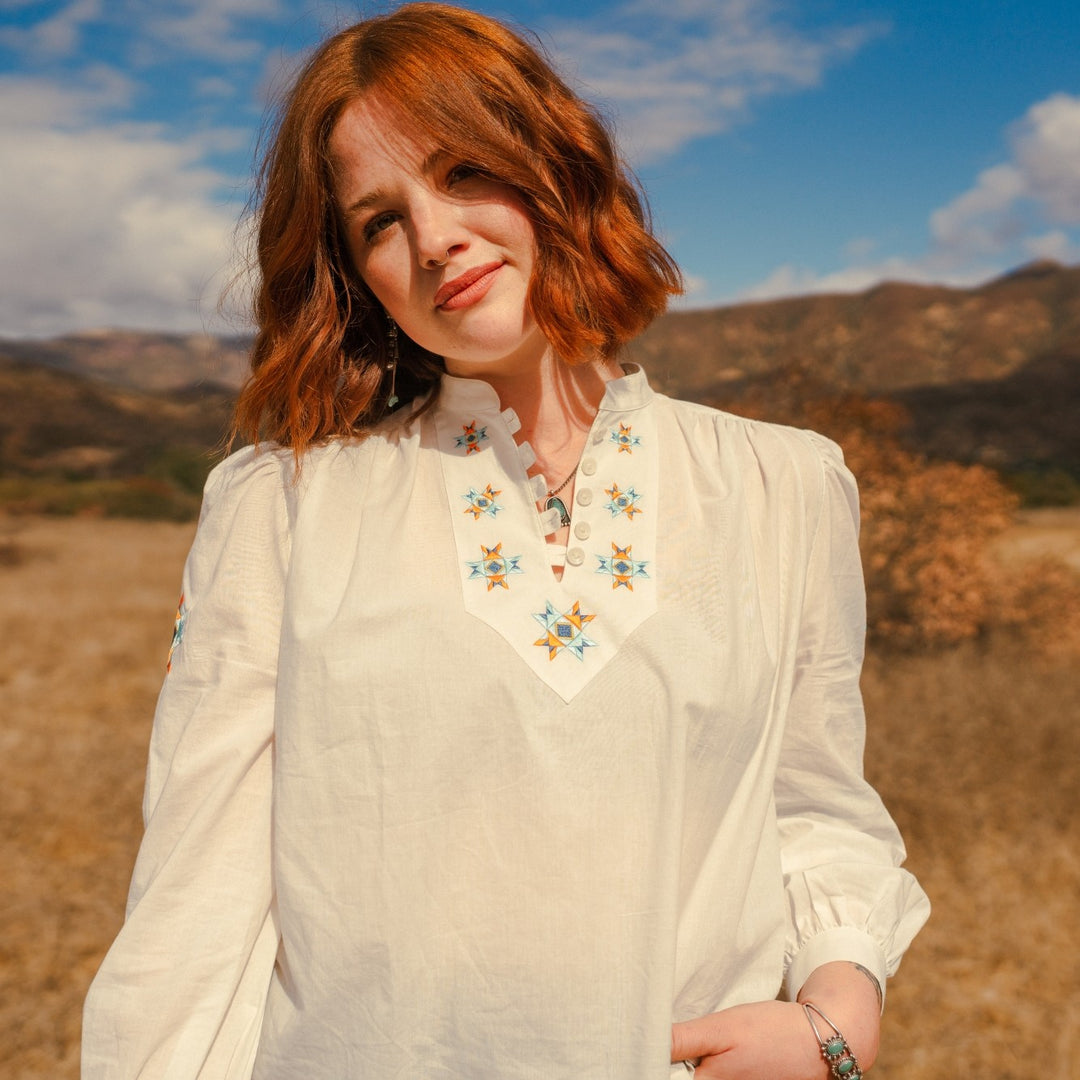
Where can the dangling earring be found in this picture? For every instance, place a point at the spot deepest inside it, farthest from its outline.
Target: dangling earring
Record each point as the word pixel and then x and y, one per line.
pixel 392 363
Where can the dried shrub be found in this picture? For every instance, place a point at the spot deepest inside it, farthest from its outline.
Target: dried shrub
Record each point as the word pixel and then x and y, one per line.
pixel 926 530
pixel 11 552
pixel 1040 603
pixel 141 497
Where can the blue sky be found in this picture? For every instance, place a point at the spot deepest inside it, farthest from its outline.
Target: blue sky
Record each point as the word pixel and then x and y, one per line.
pixel 787 146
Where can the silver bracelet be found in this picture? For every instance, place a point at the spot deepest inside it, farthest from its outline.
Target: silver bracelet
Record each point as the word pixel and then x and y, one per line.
pixel 873 979
pixel 834 1049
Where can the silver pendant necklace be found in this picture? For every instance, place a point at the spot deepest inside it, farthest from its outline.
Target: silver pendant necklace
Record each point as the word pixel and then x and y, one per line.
pixel 555 503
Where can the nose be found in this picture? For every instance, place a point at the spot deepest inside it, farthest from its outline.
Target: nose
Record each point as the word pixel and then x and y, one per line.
pixel 440 232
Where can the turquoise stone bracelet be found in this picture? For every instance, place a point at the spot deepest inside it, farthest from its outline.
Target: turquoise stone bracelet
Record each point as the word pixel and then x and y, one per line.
pixel 834 1049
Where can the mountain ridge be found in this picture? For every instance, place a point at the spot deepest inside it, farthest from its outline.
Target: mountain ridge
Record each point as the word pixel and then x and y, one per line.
pixel 988 374
pixel 891 337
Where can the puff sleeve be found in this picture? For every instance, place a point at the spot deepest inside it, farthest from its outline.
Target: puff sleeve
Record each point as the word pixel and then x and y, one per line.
pixel 180 995
pixel 848 898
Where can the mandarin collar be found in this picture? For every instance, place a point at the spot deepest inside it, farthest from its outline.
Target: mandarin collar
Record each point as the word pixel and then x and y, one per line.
pixel 625 394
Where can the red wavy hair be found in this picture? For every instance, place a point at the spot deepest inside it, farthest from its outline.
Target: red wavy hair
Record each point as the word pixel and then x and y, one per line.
pixel 486 97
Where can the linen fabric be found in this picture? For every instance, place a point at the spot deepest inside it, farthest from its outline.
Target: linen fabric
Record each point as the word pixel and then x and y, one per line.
pixel 402 821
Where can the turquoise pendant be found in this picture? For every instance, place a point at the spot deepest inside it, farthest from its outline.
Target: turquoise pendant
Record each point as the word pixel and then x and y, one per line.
pixel 554 502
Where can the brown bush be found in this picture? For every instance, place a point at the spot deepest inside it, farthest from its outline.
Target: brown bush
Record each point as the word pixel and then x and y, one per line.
pixel 927 528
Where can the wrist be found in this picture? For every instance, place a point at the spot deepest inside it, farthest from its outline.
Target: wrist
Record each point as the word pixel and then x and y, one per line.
pixel 843 994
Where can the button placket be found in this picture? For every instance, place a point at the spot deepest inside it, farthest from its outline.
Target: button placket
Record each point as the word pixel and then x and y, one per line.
pixel 582 598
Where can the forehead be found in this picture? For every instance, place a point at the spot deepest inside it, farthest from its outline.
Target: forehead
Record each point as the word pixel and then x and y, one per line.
pixel 370 141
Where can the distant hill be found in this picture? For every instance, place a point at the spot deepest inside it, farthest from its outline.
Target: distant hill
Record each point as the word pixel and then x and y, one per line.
pixel 988 374
pixel 889 338
pixel 64 423
pixel 138 359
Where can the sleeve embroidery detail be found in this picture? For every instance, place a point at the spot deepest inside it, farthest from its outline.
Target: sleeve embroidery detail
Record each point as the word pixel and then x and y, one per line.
pixel 178 631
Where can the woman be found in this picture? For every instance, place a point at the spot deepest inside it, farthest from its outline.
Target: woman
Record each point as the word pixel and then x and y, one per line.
pixel 514 732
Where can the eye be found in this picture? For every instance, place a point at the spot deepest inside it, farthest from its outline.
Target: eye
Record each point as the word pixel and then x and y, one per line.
pixel 379 224
pixel 462 171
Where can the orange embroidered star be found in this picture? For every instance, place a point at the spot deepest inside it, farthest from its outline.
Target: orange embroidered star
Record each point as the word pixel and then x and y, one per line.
pixel 494 567
pixel 622 502
pixel 625 439
pixel 564 631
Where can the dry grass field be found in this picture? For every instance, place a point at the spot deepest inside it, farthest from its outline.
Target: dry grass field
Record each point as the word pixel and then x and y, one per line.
pixel 976 751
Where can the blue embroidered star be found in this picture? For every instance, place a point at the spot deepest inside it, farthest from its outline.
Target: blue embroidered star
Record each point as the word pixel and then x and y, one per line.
pixel 178 631
pixel 472 438
pixel 622 568
pixel 564 631
pixel 481 502
pixel 622 502
pixel 495 567
pixel 625 440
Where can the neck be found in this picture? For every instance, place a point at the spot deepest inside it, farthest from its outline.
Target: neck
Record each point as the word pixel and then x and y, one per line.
pixel 556 404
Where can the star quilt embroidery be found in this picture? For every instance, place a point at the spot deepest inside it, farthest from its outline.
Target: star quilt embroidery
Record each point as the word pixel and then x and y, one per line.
pixel 472 438
pixel 564 631
pixel 622 567
pixel 622 502
pixel 625 439
pixel 481 502
pixel 178 631
pixel 495 567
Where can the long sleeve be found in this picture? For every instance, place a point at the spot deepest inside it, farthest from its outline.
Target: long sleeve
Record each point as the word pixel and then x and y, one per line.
pixel 181 993
pixel 840 850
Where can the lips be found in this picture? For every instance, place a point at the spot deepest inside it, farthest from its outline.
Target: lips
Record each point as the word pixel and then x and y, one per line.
pixel 468 287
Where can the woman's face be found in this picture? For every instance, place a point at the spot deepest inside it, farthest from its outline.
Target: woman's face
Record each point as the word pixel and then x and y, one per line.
pixel 448 252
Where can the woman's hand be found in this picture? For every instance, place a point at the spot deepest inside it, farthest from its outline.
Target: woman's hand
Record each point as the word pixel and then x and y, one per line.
pixel 772 1040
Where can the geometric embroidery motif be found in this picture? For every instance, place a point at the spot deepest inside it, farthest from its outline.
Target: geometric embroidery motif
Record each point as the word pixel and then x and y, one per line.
pixel 481 502
pixel 564 631
pixel 178 631
pixel 494 567
pixel 622 568
pixel 472 438
pixel 622 502
pixel 625 440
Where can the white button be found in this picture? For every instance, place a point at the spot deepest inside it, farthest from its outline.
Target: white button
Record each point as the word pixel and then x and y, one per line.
pixel 588 466
pixel 582 530
pixel 575 556
pixel 584 497
pixel 598 438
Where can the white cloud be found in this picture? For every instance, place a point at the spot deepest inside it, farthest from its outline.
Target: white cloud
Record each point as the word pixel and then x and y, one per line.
pixel 1019 209
pixel 220 30
pixel 26 101
pixel 790 280
pixel 215 86
pixel 1056 245
pixel 105 225
pixel 1040 183
pixel 1046 146
pixel 215 29
pixel 693 68
pixel 55 37
pixel 981 219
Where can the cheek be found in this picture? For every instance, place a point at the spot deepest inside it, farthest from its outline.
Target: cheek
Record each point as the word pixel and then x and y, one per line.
pixel 519 229
pixel 381 273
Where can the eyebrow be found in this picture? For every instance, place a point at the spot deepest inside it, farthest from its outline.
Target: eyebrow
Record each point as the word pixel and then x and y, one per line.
pixel 371 198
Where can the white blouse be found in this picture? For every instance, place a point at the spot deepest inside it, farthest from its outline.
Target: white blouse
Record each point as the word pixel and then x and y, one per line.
pixel 416 808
